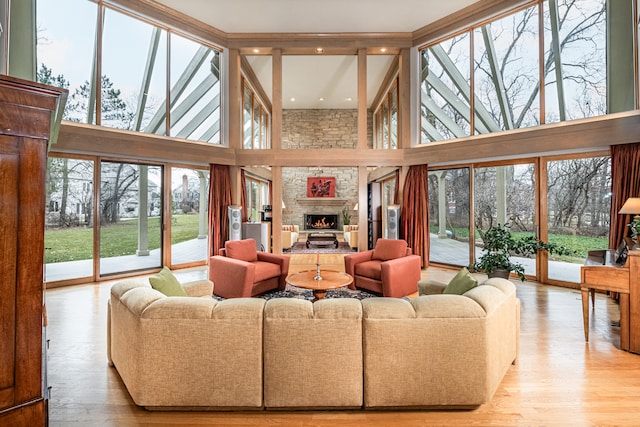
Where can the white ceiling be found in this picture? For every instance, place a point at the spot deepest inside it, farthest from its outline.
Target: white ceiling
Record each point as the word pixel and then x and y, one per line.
pixel 317 16
pixel 308 79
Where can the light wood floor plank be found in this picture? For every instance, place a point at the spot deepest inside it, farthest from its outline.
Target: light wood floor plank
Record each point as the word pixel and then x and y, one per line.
pixel 560 380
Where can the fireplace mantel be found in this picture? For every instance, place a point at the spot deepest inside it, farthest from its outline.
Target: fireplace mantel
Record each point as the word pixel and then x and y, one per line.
pixel 327 201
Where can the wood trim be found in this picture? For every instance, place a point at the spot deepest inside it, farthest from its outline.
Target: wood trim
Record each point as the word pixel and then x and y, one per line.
pixel 235 100
pixel 320 157
pixel 276 212
pixel 362 98
pixel 474 14
pixel 82 139
pixel 404 99
pixel 306 43
pixel 567 137
pixel 276 94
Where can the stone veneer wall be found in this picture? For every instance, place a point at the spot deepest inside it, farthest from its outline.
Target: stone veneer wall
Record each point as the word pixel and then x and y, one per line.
pixel 320 129
pixel 294 183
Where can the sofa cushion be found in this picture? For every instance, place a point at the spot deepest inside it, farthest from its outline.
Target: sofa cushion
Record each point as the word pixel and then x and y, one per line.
pixel 387 249
pixel 167 283
pixel 244 250
pixel 461 283
pixel 370 269
pixel 265 270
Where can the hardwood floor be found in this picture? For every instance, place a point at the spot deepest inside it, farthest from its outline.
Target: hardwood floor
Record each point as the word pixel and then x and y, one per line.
pixel 560 380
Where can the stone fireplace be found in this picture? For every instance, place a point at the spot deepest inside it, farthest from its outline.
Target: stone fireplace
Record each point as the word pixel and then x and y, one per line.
pixel 320 221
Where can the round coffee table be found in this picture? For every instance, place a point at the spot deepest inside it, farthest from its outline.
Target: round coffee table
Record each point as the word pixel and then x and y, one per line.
pixel 330 280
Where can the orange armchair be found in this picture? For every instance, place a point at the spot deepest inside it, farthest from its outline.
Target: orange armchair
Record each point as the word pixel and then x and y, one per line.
pixel 242 271
pixel 389 269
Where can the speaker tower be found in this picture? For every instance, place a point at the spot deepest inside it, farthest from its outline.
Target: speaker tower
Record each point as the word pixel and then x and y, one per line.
pixel 393 221
pixel 235 222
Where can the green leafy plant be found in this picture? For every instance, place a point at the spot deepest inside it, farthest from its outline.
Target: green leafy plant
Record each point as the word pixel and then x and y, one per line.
pixel 500 245
pixel 346 216
pixel 635 227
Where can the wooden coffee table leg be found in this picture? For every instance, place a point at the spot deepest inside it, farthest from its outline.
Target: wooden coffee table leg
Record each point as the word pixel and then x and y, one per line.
pixel 319 294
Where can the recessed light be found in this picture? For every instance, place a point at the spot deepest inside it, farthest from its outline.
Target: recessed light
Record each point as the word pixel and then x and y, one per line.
pixel 256 50
pixel 383 50
pixel 319 50
pixel 293 100
pixel 349 99
pixel 321 99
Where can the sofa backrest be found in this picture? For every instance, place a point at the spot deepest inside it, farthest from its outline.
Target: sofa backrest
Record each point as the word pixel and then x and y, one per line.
pixel 464 342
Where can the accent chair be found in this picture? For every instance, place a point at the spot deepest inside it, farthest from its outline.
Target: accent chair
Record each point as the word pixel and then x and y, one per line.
pixel 389 269
pixel 242 271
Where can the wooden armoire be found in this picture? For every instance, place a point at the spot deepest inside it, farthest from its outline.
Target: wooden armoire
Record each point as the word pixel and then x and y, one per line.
pixel 29 117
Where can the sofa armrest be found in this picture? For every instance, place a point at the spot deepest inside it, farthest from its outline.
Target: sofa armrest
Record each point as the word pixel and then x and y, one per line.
pixel 287 240
pixel 282 261
pixel 351 260
pixel 199 288
pixel 400 276
pixel 232 278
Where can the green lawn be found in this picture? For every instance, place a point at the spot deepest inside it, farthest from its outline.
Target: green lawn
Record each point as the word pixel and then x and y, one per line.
pixel 72 244
pixel 579 244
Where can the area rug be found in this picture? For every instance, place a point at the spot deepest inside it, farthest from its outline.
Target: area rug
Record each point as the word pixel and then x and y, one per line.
pixel 301 248
pixel 299 293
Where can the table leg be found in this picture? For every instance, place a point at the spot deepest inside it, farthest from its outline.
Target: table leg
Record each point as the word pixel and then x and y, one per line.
pixel 624 321
pixel 585 312
pixel 319 294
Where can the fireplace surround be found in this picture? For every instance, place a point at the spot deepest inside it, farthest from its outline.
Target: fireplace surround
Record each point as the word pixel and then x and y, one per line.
pixel 320 221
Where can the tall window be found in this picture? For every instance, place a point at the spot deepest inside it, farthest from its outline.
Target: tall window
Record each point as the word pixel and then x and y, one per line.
pixel 385 120
pixel 579 204
pixel 507 66
pixel 133 86
pixel 506 195
pixel 449 208
pixel 256 120
pixel 69 219
pixel 257 192
pixel 189 213
pixel 130 217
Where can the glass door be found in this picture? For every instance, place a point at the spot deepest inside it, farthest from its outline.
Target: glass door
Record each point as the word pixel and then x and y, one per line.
pixel 130 217
pixel 69 221
pixel 189 215
pixel 449 202
pixel 506 195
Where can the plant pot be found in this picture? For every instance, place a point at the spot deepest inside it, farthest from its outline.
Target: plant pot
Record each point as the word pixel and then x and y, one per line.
pixel 504 274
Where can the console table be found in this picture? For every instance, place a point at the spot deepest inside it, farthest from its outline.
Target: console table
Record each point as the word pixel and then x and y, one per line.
pixel 624 280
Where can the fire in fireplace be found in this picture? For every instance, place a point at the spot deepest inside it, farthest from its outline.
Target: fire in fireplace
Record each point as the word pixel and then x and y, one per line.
pixel 320 221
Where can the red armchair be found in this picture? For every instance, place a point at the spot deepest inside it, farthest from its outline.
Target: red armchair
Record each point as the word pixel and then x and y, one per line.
pixel 241 271
pixel 389 269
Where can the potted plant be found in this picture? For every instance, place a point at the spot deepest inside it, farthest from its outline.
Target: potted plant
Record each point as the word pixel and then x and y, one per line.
pixel 346 217
pixel 500 244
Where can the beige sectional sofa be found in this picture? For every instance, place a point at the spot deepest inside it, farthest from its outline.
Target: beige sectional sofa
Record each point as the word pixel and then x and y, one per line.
pixel 435 351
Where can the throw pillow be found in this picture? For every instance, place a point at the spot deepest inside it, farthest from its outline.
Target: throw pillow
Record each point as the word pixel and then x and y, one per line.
pixel 461 283
pixel 244 250
pixel 167 283
pixel 387 249
pixel 287 228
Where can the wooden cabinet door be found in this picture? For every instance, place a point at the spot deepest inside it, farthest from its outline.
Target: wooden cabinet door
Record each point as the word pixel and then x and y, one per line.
pixel 9 167
pixel 22 166
pixel 26 112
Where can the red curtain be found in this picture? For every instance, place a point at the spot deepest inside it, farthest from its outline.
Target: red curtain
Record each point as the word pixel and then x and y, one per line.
pixel 625 183
pixel 219 201
pixel 415 211
pixel 243 196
